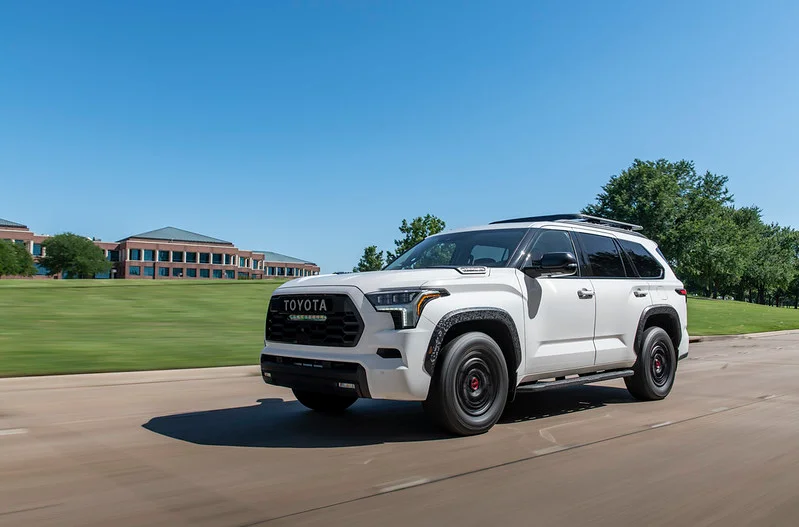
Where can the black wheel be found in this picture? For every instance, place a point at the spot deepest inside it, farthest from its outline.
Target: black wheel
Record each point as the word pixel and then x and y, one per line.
pixel 470 388
pixel 324 402
pixel 655 367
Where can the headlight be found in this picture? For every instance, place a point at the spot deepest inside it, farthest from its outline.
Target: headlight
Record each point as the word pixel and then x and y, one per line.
pixel 405 305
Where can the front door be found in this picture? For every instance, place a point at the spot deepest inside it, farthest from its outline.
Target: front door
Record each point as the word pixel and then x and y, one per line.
pixel 559 312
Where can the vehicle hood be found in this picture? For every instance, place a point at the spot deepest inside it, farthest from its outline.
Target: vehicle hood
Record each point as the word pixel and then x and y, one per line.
pixel 374 280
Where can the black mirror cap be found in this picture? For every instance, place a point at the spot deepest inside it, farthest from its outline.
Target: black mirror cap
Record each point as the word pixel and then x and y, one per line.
pixel 552 264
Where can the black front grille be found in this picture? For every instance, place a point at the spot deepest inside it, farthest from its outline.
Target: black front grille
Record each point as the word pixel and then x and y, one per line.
pixel 342 326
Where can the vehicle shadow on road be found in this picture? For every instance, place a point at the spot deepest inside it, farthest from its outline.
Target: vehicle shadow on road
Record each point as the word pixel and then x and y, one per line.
pixel 275 423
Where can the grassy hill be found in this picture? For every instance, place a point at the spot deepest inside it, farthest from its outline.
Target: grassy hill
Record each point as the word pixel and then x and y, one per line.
pixel 725 317
pixel 68 326
pixel 65 326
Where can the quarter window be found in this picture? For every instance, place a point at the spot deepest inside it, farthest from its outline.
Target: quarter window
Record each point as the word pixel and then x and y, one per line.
pixel 646 264
pixel 603 256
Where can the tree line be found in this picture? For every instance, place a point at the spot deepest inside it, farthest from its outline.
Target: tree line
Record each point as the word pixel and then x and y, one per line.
pixel 69 253
pixel 717 249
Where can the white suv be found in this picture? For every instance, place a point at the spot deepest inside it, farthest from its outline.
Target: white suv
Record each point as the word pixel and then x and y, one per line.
pixel 467 319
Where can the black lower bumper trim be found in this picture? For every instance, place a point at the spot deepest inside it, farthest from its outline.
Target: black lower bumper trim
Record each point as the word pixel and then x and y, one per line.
pixel 315 375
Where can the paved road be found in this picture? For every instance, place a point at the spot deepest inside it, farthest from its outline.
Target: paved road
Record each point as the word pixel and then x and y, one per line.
pixel 218 447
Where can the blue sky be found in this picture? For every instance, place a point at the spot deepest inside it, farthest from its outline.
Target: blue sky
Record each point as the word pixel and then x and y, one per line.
pixel 313 128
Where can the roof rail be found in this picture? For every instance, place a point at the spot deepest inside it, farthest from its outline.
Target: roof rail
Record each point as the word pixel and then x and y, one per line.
pixel 585 218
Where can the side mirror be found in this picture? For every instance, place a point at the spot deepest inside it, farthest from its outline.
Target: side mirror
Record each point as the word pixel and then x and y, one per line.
pixel 552 264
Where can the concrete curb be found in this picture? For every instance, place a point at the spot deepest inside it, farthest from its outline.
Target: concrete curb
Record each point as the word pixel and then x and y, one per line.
pixel 712 338
pixel 86 380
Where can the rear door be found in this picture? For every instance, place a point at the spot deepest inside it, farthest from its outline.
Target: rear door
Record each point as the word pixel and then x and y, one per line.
pixel 620 298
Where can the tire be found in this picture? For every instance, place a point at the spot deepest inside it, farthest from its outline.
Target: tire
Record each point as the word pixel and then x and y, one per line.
pixel 470 387
pixel 655 367
pixel 324 402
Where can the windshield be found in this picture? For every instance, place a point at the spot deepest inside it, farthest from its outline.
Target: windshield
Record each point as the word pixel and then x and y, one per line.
pixel 490 248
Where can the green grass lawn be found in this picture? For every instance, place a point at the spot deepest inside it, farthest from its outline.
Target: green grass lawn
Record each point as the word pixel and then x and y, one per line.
pixel 68 326
pixel 726 317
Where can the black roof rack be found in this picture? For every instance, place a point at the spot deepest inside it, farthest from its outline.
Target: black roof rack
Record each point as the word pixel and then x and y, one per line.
pixel 575 217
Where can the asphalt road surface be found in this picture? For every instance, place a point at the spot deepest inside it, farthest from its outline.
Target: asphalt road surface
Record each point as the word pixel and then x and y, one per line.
pixel 219 447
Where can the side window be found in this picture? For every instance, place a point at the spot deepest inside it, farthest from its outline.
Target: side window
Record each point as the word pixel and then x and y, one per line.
pixel 603 256
pixel 646 264
pixel 551 241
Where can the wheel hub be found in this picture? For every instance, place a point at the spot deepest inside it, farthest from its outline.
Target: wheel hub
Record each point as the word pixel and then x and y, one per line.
pixel 475 386
pixel 660 365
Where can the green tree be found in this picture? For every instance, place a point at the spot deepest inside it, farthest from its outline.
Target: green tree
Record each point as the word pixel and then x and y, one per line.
pixel 651 194
pixel 24 260
pixel 417 230
pixel 372 260
pixel 15 260
pixel 76 255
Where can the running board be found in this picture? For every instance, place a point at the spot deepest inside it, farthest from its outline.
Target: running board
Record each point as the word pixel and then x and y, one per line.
pixel 576 381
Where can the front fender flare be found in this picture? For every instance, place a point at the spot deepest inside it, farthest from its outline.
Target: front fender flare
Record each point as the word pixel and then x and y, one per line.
pixel 470 315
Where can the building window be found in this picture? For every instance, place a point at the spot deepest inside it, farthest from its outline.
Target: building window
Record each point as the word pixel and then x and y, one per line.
pixel 113 256
pixel 163 271
pixel 149 270
pixel 19 242
pixel 149 255
pixel 135 270
pixel 205 258
pixel 217 273
pixel 205 273
pixel 191 273
pixel 41 270
pixel 191 257
pixel 177 271
pixel 163 256
pixel 255 264
pixel 135 254
pixel 177 256
pixel 289 271
pixel 218 260
pixel 227 259
pixel 244 275
pixel 230 274
pixel 37 249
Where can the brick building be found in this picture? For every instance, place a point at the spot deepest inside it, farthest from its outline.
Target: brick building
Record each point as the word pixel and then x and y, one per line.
pixel 172 253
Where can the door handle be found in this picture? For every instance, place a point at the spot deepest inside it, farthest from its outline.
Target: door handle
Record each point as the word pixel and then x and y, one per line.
pixel 585 293
pixel 640 294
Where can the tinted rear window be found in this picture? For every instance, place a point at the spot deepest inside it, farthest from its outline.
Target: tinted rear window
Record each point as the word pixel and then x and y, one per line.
pixel 603 256
pixel 646 264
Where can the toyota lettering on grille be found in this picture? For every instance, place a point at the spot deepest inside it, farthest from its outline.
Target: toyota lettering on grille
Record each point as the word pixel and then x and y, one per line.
pixel 294 305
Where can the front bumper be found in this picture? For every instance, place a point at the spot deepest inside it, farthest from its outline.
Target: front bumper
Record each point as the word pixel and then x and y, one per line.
pixel 313 375
pixel 322 368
